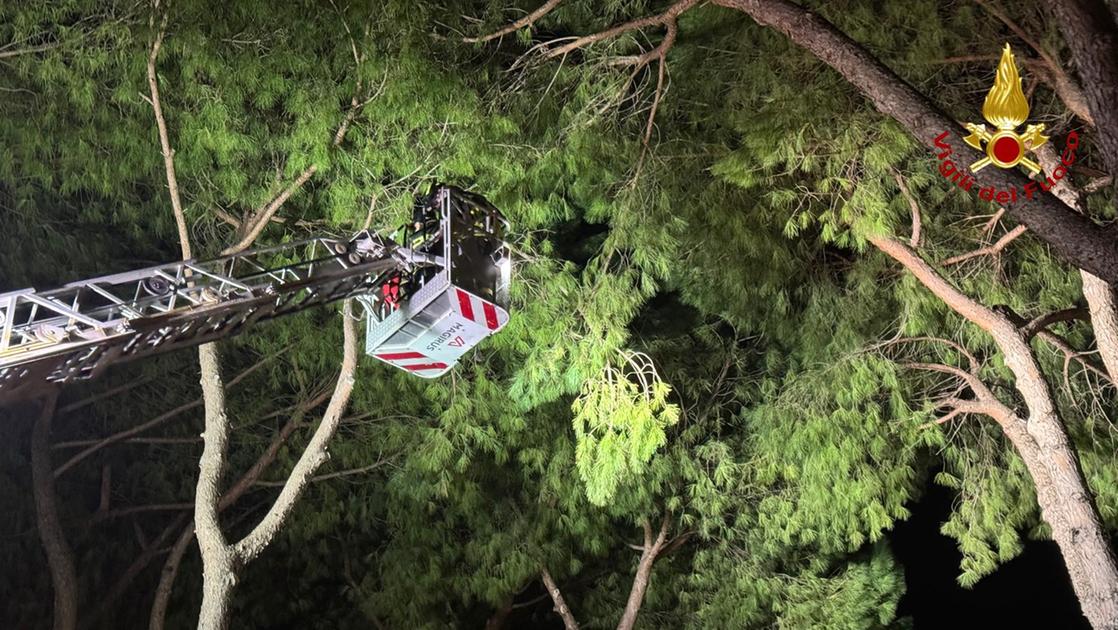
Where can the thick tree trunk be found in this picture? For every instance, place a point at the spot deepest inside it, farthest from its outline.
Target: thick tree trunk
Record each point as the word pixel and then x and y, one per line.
pixel 218 579
pixel 60 558
pixel 1066 504
pixel 1100 297
pixel 1074 237
pixel 644 573
pixel 1091 33
pixel 1042 442
pixel 218 566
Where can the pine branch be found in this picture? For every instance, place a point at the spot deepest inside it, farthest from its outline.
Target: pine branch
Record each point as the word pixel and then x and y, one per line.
pixel 913 207
pixel 140 428
pixel 30 50
pixel 990 250
pixel 313 455
pixel 523 22
pixel 561 608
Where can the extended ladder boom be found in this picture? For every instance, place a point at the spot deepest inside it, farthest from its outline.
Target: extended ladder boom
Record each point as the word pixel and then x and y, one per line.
pixel 76 331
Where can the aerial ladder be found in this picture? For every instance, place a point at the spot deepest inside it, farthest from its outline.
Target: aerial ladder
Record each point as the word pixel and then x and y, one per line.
pixel 430 293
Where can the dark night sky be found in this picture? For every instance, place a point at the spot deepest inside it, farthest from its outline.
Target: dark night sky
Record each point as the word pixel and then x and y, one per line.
pixel 1031 591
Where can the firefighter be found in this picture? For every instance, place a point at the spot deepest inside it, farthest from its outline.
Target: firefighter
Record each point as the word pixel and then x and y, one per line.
pixel 425 218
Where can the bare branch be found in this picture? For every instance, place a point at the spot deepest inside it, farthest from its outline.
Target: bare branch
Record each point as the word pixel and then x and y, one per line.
pixel 663 19
pixel 109 393
pixel 913 207
pixel 1048 68
pixel 660 71
pixel 252 227
pixel 1041 322
pixel 141 509
pixel 989 250
pixel 60 558
pixel 958 347
pixel 988 229
pixel 140 428
pixel 178 550
pixel 263 216
pixel 314 454
pixel 967 377
pixel 334 475
pixel 149 553
pixel 569 622
pixel 30 50
pixel 523 22
pixel 1098 183
pixel 1071 354
pixel 165 140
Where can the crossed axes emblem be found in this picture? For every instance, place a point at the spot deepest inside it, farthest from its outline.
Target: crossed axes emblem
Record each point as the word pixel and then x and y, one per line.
pixel 1005 108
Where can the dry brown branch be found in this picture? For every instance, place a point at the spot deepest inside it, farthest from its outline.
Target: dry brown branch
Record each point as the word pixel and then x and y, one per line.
pixel 140 428
pixel 523 22
pixel 958 347
pixel 913 207
pixel 989 250
pixel 992 224
pixel 30 50
pixel 334 475
pixel 669 16
pixel 1044 321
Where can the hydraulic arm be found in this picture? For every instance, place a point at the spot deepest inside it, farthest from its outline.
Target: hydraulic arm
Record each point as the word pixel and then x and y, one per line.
pixel 76 331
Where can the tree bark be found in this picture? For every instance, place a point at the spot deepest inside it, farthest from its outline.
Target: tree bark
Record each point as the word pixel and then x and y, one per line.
pixel 316 452
pixel 1074 237
pixel 1091 34
pixel 60 558
pixel 171 565
pixel 167 578
pixel 561 608
pixel 219 567
pixel 644 573
pixel 1041 440
pixel 1101 299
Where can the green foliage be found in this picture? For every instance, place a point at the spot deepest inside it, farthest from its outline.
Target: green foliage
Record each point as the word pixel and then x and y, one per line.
pixel 619 423
pixel 777 430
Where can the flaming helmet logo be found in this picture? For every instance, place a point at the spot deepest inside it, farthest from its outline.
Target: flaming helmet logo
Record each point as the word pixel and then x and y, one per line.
pixel 1006 109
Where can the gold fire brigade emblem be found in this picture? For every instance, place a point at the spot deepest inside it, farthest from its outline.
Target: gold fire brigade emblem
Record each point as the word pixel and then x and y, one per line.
pixel 1006 109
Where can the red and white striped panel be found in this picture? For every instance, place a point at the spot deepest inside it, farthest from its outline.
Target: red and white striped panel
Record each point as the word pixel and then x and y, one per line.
pixel 479 311
pixel 415 362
